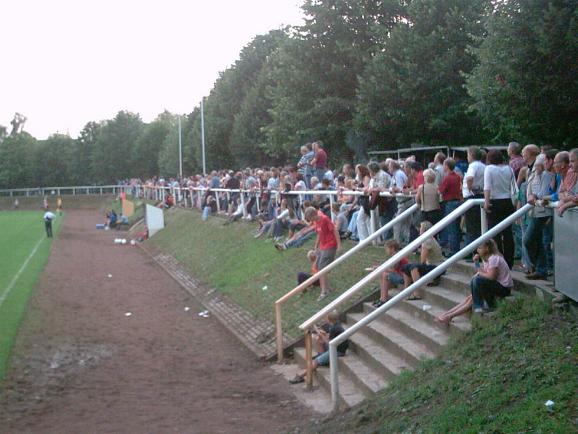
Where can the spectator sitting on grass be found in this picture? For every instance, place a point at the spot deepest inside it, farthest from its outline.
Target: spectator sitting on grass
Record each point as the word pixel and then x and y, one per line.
pixel 111 219
pixel 302 277
pixel 322 336
pixel 391 276
pixel 339 217
pixel 430 257
pixel 326 245
pixel 298 239
pixel 492 280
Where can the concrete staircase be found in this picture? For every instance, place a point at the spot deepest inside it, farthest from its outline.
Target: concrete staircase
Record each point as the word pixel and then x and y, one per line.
pixel 398 340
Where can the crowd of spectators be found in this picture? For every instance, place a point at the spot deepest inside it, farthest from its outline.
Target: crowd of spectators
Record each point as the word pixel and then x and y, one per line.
pixel 356 208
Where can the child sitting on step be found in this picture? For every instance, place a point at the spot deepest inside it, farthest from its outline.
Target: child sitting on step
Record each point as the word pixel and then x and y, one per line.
pixel 430 257
pixel 321 337
pixel 391 276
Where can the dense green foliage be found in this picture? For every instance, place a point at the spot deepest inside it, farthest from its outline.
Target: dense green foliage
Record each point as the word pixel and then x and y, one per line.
pixel 21 232
pixel 359 75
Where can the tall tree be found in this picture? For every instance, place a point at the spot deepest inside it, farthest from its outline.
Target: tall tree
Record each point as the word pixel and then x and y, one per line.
pixel 168 155
pixel 525 85
pixel 226 100
pixel 16 160
pixel 112 156
pixel 317 71
pixel 54 161
pixel 413 89
pixel 85 146
pixel 147 149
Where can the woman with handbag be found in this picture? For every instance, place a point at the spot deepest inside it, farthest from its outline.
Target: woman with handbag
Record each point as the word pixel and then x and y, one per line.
pixel 499 183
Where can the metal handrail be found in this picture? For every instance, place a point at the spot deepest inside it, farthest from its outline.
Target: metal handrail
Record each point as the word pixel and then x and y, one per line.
pixel 392 261
pixel 299 288
pixel 425 279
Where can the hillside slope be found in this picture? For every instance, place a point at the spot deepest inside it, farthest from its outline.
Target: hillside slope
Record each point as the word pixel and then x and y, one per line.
pixel 495 379
pixel 251 271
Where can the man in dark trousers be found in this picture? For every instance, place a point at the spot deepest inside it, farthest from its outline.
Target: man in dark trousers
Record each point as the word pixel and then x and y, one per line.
pixel 48 217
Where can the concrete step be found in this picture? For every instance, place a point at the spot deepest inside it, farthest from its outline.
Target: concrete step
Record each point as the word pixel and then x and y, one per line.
pixel 395 341
pixel 349 393
pixel 361 373
pixel 416 328
pixel 442 297
pixel 386 363
pixel 456 282
pixel 429 312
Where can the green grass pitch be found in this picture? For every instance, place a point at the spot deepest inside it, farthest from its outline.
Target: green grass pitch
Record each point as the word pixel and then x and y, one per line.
pixel 20 233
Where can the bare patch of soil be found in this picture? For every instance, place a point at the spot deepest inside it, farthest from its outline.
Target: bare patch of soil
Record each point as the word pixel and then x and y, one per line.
pixel 81 364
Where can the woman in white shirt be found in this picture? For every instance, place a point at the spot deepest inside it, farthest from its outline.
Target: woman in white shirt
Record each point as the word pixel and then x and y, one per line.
pixel 498 181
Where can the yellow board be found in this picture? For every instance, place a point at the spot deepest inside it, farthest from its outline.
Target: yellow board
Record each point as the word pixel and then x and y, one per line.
pixel 127 208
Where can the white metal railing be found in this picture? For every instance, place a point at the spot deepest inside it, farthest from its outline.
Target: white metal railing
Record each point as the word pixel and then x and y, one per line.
pixel 438 271
pixel 392 261
pixel 71 190
pixel 299 288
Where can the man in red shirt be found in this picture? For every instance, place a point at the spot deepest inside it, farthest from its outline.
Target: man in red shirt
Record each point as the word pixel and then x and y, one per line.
pixel 327 244
pixel 451 191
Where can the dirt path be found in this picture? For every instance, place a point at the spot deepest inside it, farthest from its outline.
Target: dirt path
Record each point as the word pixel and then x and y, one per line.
pixel 82 365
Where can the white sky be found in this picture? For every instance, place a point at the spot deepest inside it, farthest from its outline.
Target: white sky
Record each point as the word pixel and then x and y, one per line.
pixel 68 62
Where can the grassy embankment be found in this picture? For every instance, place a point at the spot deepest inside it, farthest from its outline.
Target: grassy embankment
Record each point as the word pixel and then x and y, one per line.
pixel 20 233
pixel 251 271
pixel 496 379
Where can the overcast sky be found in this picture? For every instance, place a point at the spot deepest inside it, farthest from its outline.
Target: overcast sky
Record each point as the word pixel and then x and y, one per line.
pixel 67 62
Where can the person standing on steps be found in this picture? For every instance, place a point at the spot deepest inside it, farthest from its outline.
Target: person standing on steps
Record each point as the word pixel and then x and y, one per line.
pixel 48 217
pixel 327 244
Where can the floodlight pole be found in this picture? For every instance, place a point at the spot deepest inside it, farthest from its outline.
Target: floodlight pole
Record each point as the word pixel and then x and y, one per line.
pixel 180 151
pixel 203 135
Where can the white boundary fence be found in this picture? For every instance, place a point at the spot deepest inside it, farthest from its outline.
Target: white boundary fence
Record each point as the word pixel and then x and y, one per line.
pixel 81 190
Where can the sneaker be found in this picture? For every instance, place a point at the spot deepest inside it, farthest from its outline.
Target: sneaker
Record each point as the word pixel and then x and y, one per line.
pixel 322 296
pixel 478 310
pixel 296 380
pixel 280 247
pixel 378 303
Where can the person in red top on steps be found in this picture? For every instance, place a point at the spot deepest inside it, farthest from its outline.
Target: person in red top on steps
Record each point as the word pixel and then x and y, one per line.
pixel 451 191
pixel 326 245
pixel 391 276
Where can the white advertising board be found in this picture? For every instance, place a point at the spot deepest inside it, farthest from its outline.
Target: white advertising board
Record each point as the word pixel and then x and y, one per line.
pixel 155 219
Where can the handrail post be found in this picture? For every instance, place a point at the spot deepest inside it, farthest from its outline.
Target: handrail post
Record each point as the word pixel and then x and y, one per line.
pixel 374 215
pixel 308 359
pixel 243 203
pixel 483 220
pixel 279 332
pixel 334 373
